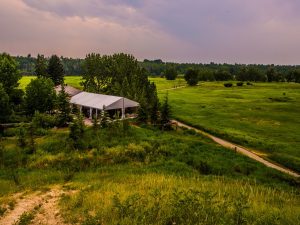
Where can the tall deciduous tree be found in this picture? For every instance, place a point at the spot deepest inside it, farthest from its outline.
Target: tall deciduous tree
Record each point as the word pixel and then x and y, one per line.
pixel 56 70
pixel 41 66
pixel 191 77
pixel 40 96
pixel 170 73
pixel 120 74
pixel 9 74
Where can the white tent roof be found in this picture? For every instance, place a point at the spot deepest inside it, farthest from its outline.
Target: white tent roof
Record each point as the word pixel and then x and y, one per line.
pixel 98 101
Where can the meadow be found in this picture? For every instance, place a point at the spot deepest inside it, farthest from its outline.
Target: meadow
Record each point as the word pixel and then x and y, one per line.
pixel 143 175
pixel 264 116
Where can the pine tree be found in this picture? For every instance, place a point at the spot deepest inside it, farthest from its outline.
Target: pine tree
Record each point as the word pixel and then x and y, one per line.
pixel 165 113
pixel 56 70
pixel 41 66
pixel 63 105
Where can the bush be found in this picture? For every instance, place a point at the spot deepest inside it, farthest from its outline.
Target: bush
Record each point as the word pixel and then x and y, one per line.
pixel 239 84
pixel 228 85
pixel 43 120
pixel 250 84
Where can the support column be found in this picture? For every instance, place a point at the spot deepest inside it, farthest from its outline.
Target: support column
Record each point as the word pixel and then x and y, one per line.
pixel 123 110
pixel 80 109
pixel 91 113
pixel 96 113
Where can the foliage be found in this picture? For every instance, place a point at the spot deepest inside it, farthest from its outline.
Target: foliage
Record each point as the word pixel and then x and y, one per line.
pixel 191 77
pixel 221 75
pixel 121 75
pixel 40 96
pixel 5 111
pixel 171 73
pixel 239 84
pixel 63 106
pixel 165 113
pixel 41 66
pixel 228 85
pixel 77 129
pixel 43 120
pixel 55 70
pixel 9 74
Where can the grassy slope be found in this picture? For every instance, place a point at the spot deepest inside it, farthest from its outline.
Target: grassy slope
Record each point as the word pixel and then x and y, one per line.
pixel 246 115
pixel 149 176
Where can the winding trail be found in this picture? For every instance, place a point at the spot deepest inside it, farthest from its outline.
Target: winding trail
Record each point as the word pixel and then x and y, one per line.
pixel 240 149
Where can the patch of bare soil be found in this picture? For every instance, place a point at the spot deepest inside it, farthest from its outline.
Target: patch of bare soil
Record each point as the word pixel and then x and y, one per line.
pixel 42 205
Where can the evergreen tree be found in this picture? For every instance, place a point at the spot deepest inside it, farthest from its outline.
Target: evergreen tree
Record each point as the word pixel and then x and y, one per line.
pixel 64 108
pixel 56 70
pixel 77 129
pixel 41 66
pixel 165 113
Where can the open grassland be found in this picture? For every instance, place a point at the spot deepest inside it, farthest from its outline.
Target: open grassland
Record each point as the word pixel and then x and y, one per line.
pixel 263 116
pixel 70 80
pixel 75 81
pixel 146 176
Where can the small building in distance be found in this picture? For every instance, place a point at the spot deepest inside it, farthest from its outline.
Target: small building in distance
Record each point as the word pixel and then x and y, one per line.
pixel 71 91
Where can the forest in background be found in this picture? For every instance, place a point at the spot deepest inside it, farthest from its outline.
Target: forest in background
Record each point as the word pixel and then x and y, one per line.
pixel 207 72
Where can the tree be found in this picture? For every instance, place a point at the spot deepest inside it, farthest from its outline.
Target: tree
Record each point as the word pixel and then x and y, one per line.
pixel 63 105
pixel 77 129
pixel 120 74
pixel 271 74
pixel 165 113
pixel 40 96
pixel 191 77
pixel 9 74
pixel 5 111
pixel 56 70
pixel 222 75
pixel 41 66
pixel 170 73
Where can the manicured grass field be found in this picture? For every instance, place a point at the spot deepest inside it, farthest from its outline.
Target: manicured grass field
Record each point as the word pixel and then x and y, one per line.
pixel 263 116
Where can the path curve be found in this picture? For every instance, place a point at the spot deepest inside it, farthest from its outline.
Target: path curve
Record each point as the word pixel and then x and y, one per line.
pixel 240 149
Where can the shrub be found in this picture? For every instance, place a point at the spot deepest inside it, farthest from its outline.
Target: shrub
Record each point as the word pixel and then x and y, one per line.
pixel 43 120
pixel 250 84
pixel 228 85
pixel 239 84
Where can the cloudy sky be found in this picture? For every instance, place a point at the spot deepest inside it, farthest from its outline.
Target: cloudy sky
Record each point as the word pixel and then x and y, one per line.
pixel 233 31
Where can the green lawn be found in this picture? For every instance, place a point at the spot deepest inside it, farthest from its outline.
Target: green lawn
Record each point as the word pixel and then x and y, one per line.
pixel 264 116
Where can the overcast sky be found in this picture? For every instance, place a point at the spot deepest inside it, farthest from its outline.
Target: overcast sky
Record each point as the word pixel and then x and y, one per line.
pixel 233 31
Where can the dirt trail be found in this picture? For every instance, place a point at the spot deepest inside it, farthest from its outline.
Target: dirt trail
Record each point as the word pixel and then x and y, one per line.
pixel 241 150
pixel 42 204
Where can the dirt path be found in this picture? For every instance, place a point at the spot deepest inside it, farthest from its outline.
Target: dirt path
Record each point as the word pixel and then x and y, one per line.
pixel 174 88
pixel 241 150
pixel 42 205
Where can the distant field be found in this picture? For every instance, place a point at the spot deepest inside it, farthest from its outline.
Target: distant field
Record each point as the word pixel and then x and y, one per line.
pixel 71 80
pixel 264 116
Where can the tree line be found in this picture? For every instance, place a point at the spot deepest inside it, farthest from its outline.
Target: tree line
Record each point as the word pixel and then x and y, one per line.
pixel 207 72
